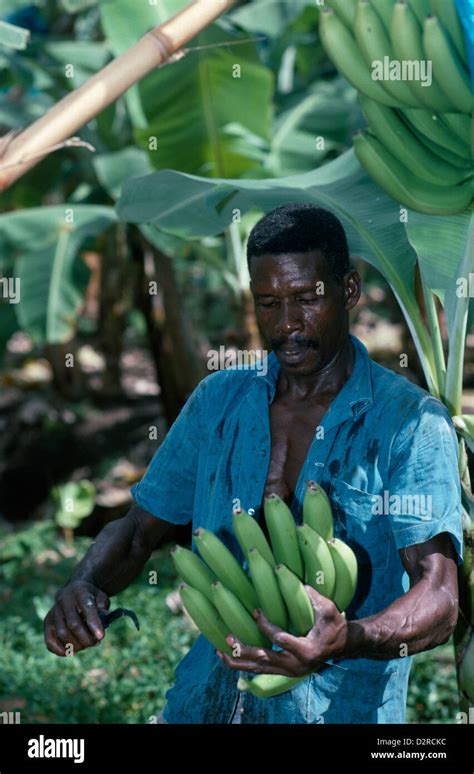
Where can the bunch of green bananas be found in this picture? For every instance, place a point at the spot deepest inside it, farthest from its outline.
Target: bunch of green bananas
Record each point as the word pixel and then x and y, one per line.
pixel 419 146
pixel 220 597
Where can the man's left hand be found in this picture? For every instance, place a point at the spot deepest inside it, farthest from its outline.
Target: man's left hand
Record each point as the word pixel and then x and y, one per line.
pixel 300 655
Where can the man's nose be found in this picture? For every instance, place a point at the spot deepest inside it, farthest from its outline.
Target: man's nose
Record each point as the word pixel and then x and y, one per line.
pixel 289 319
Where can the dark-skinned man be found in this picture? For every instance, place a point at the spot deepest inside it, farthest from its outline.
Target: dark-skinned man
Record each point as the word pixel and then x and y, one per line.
pixel 322 410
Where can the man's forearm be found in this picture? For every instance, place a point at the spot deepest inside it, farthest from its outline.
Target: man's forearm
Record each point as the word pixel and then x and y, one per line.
pixel 115 557
pixel 419 620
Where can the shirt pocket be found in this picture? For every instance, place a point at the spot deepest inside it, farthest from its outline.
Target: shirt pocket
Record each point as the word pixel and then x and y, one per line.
pixel 368 533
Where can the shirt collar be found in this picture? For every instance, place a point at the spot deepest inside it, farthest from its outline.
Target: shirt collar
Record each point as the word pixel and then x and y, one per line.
pixel 352 400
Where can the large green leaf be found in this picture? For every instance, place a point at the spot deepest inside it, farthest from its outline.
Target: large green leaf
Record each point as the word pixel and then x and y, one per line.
pixel 191 206
pixel 445 246
pixel 51 273
pixel 194 131
pixel 440 243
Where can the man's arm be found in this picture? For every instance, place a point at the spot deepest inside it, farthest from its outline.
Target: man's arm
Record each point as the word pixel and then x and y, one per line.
pixel 114 559
pixel 421 619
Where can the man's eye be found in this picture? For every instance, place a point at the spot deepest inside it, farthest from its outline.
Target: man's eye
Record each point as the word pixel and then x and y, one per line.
pixel 307 300
pixel 267 304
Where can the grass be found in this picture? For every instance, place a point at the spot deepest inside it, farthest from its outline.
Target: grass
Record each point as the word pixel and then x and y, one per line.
pixel 125 678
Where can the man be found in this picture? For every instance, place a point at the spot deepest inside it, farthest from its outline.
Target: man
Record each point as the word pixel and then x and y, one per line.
pixel 325 411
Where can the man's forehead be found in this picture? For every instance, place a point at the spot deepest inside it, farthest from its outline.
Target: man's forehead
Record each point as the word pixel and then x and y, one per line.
pixel 297 267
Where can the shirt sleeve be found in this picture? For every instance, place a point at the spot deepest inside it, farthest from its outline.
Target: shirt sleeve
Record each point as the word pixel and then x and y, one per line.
pixel 424 476
pixel 167 490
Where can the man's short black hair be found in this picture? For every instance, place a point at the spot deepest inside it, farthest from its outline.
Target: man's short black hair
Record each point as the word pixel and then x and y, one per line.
pixel 300 228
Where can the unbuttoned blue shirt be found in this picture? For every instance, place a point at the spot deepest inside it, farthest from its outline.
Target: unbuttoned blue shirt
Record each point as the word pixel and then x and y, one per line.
pixel 385 452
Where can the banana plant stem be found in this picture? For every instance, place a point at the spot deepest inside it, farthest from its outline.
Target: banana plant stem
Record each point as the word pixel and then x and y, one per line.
pixel 454 375
pixel 435 333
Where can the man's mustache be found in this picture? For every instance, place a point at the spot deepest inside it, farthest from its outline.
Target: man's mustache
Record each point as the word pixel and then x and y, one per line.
pixel 296 342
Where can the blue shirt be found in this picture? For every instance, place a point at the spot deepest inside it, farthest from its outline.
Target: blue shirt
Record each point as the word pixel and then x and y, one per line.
pixel 389 463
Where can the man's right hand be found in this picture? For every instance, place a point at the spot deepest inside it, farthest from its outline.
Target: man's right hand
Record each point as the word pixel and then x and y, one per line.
pixel 74 620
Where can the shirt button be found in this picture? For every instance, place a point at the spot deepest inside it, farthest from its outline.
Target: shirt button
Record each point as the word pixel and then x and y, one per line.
pixel 263 453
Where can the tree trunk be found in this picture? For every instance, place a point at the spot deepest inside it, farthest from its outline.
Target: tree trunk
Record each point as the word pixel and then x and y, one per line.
pixel 112 308
pixel 177 362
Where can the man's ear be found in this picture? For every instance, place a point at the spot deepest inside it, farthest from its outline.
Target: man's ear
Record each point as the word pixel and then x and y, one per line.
pixel 353 287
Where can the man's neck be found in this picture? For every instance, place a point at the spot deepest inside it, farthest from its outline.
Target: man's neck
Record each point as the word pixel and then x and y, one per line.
pixel 325 383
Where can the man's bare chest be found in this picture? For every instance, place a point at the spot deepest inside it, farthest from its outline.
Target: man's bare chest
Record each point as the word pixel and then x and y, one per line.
pixel 292 430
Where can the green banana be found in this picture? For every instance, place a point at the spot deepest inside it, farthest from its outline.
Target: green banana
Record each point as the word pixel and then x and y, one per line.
pixel 240 622
pixel 375 44
pixel 265 686
pixel 224 564
pixel 206 617
pixel 407 41
pixel 343 51
pixel 267 588
pixel 448 69
pixel 384 9
pixel 393 133
pixel 282 530
pixel 460 124
pixel 250 535
pixel 433 128
pixel 319 566
pixel 345 563
pixel 345 9
pixel 447 14
pixel 407 189
pixel 193 570
pixel 297 601
pixel 444 153
pixel 420 8
pixel 317 511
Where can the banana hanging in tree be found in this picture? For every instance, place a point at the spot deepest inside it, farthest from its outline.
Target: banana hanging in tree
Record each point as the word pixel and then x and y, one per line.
pixel 421 9
pixel 447 14
pixel 375 45
pixel 345 9
pixel 430 126
pixel 460 124
pixel 395 135
pixel 282 530
pixel 226 567
pixel 317 511
pixel 384 9
pixel 448 68
pixel 299 605
pixel 343 51
pixel 407 40
pixel 268 591
pixel 407 189
pixel 345 562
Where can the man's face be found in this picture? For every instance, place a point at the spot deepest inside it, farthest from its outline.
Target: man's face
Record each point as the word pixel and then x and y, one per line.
pixel 302 312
